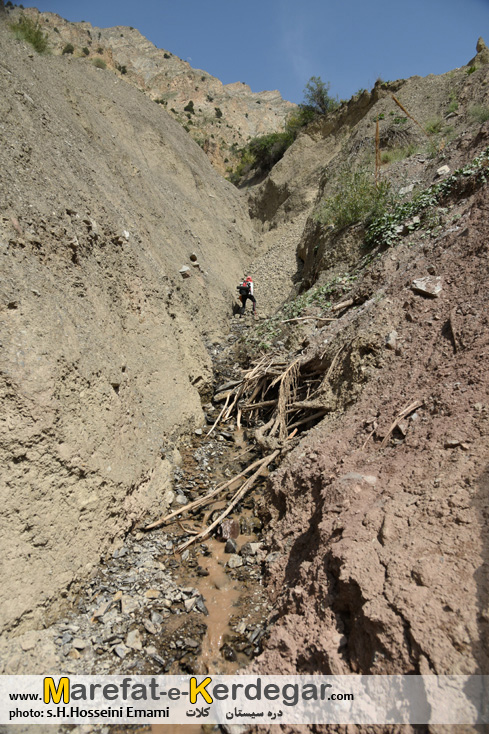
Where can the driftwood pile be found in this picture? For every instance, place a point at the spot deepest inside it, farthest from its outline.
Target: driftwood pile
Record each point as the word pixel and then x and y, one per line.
pixel 282 396
pixel 279 396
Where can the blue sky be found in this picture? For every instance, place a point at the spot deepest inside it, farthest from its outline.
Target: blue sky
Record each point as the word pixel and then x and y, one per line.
pixel 280 44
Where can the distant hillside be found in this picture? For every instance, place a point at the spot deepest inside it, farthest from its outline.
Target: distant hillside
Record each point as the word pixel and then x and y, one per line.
pixel 220 118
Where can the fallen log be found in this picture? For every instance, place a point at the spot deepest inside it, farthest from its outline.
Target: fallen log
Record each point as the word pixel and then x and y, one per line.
pixel 239 494
pixel 204 500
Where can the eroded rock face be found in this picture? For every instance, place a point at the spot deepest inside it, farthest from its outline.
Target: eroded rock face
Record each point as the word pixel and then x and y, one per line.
pixel 104 198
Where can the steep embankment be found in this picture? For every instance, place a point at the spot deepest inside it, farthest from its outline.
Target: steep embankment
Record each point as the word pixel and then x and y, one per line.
pixel 103 199
pixel 377 520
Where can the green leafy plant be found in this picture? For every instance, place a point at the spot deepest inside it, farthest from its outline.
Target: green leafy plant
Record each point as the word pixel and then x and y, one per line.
pixel 470 70
pixel 68 49
pixel 27 30
pixel 386 229
pixel 85 51
pixel 453 103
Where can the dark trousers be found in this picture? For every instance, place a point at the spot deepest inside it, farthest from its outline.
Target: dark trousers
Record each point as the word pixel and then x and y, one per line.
pixel 243 301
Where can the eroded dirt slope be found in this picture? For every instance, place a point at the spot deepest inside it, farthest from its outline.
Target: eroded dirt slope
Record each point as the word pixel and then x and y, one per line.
pixel 103 200
pixel 379 516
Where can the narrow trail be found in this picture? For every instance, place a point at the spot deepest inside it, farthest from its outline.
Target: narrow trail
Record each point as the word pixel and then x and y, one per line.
pixel 275 271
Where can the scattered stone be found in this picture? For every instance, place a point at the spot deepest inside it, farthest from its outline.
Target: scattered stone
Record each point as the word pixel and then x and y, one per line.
pixel 406 190
pixel 79 644
pixel 231 546
pixel 121 651
pixel 193 257
pixel 235 561
pixel 149 626
pixel 189 604
pixel 128 604
pixel 391 340
pixel 443 171
pixel 198 431
pixel 451 443
pixel 229 529
pixel 133 640
pixel 428 286
pixel 403 427
pixel 152 594
pixel 201 606
pixel 250 549
pixel 185 271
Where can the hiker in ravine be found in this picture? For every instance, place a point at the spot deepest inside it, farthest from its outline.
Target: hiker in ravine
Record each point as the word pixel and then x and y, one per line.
pixel 245 290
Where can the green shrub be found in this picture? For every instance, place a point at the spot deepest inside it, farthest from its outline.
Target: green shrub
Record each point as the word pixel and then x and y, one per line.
pixel 356 198
pixel 167 56
pixel 68 49
pixel 471 70
pixel 99 63
pixel 189 108
pixel 122 69
pixel 267 150
pixel 218 112
pixel 27 30
pixel 85 51
pixel 479 113
pixel 317 97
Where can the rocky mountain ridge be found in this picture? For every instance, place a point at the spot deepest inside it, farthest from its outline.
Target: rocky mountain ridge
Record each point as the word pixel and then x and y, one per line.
pixel 220 117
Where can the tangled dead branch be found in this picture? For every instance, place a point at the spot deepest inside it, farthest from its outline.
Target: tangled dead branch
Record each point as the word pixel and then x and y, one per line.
pixel 276 396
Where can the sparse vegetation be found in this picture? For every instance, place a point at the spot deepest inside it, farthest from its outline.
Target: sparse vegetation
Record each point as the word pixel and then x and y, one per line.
pixel 189 108
pixel 218 112
pixel 68 49
pixel 27 30
pixel 399 154
pixel 434 126
pixel 479 113
pixel 453 103
pixel 384 229
pixel 85 51
pixel 99 64
pixel 356 198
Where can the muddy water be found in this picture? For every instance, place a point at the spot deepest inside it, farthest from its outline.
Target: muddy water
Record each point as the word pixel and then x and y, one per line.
pixel 221 595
